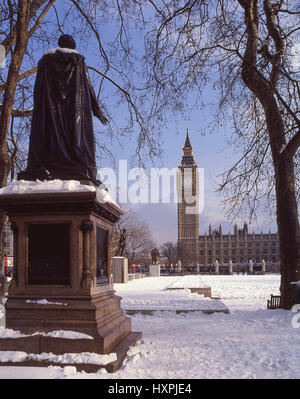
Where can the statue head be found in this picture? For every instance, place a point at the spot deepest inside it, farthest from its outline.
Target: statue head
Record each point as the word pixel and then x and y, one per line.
pixel 67 41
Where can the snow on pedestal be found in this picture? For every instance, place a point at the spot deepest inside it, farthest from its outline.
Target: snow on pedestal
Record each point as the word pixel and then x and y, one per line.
pixel 56 185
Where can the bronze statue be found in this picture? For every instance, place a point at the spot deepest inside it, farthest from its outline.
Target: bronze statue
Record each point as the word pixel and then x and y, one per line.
pixel 154 255
pixel 62 143
pixel 122 243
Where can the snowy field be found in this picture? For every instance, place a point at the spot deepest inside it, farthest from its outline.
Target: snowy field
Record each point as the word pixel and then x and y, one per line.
pixel 249 342
pixel 151 294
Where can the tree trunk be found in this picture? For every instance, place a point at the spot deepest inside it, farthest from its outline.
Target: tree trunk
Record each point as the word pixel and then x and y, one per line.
pixel 11 84
pixel 264 91
pixel 9 96
pixel 288 229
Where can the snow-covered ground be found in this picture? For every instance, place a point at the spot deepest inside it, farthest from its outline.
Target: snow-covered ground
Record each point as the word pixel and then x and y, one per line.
pixel 151 294
pixel 249 342
pixel 189 281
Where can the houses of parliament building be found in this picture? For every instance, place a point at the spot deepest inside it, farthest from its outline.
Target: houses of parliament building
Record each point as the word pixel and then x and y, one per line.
pixel 239 247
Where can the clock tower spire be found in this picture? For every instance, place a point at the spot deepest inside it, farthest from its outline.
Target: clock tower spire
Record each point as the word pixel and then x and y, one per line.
pixel 188 214
pixel 187 149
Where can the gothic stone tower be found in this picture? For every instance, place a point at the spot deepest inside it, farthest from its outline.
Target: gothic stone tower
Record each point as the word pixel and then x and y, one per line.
pixel 188 214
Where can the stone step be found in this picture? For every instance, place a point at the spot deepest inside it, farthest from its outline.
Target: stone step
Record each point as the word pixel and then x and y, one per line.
pixel 120 350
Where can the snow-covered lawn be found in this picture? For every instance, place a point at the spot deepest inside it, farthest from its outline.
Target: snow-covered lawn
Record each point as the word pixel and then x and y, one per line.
pixel 189 281
pixel 152 293
pixel 249 342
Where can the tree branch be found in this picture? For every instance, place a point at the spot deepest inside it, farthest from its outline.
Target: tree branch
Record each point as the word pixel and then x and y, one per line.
pixel 41 17
pixel 293 145
pixel 10 39
pixel 278 41
pixel 20 113
pixel 86 17
pixel 21 76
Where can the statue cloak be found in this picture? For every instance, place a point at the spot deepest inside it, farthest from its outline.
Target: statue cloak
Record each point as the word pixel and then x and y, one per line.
pixel 62 141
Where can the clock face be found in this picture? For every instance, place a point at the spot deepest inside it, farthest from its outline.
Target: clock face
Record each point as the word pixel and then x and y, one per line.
pixel 187 181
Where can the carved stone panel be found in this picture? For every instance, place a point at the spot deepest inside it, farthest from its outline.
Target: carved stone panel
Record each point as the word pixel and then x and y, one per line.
pixel 102 256
pixel 48 254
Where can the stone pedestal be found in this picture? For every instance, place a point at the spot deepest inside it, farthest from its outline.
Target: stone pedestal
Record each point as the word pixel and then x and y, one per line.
pixel 251 269
pixel 217 267
pixel 263 267
pixel 62 273
pixel 154 270
pixel 120 269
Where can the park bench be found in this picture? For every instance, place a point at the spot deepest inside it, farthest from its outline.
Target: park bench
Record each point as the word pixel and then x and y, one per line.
pixel 274 302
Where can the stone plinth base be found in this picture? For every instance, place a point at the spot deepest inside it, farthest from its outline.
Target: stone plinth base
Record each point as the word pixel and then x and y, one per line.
pixel 42 344
pixel 177 311
pixel 62 273
pixel 99 317
pixel 136 276
pixel 120 269
pixel 206 291
pixel 154 270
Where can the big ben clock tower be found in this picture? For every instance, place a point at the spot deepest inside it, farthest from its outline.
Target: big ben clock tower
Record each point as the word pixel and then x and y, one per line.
pixel 188 213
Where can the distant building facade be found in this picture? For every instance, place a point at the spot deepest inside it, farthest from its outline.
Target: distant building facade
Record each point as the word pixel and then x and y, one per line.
pixel 239 247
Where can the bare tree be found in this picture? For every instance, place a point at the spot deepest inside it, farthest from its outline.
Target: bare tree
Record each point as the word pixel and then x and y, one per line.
pixel 169 251
pixel 139 240
pixel 244 50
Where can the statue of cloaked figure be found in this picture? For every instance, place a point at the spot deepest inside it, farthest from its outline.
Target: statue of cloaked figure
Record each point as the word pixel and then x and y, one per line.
pixel 154 255
pixel 122 243
pixel 62 143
